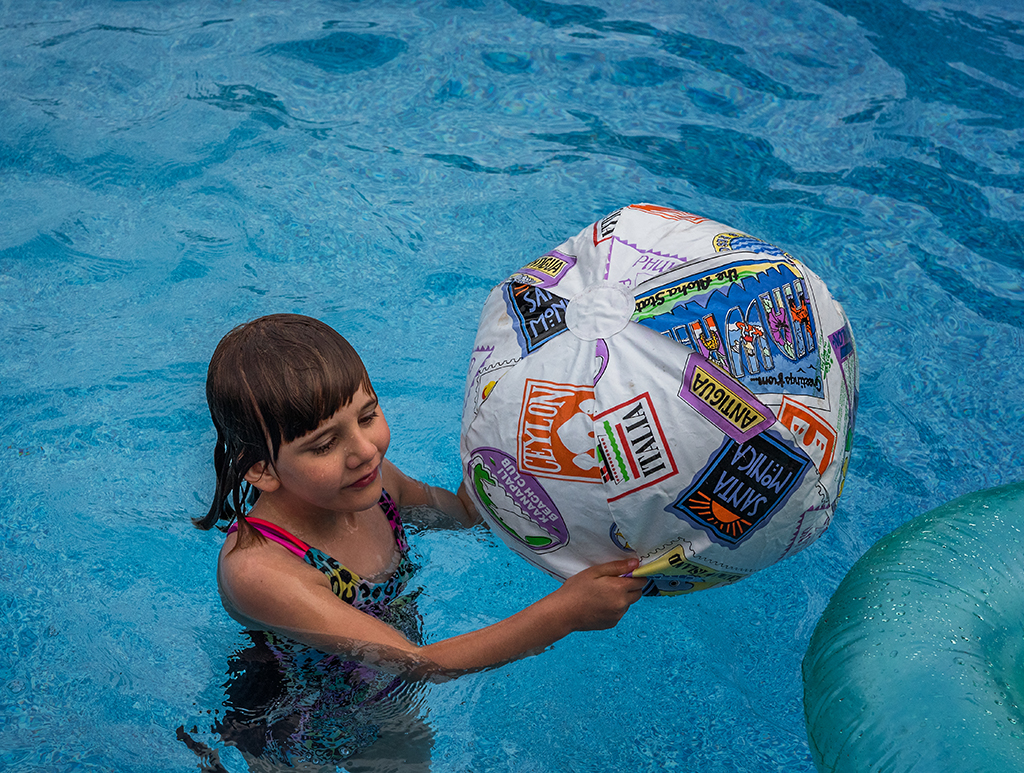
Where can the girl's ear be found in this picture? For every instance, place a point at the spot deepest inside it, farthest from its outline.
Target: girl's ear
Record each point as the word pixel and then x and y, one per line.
pixel 262 476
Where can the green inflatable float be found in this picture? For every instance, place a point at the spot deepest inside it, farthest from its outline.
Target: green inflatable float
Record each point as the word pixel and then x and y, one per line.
pixel 917 663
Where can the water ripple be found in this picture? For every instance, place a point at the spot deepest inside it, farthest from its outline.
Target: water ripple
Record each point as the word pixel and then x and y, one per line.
pixel 722 58
pixel 244 98
pixel 709 54
pixel 557 14
pixel 644 71
pixel 506 63
pixel 962 207
pixel 133 30
pixel 467 163
pixel 63 263
pixel 936 53
pixel 341 52
pixel 723 162
pixel 987 305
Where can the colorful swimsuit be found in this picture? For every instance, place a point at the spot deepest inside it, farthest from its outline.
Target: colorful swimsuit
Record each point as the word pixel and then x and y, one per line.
pixel 288 701
pixel 347 585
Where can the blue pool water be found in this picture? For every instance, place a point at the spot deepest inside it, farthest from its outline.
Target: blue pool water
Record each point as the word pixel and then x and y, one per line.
pixel 168 169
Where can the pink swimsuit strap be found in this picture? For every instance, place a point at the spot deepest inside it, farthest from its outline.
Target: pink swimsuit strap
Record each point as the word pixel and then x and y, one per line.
pixel 276 534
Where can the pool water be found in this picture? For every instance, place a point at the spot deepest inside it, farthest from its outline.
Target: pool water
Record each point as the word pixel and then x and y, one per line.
pixel 169 169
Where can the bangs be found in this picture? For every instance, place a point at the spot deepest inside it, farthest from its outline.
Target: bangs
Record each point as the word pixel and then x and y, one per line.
pixel 278 378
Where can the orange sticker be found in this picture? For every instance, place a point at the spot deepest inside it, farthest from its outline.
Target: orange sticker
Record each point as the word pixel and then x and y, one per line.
pixel 556 432
pixel 817 435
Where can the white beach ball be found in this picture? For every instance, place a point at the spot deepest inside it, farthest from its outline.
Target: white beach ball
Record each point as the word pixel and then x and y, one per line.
pixel 660 385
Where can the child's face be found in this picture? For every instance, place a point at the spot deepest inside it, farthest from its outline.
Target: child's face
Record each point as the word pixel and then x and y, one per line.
pixel 336 467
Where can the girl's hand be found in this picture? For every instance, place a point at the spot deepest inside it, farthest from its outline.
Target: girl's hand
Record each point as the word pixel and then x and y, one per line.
pixel 598 597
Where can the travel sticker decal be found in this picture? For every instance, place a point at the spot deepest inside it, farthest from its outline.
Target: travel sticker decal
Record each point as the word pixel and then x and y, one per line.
pixel 634 265
pixel 546 270
pixel 842 347
pixel 633 449
pixel 673 573
pixel 619 539
pixel 484 373
pixel 723 401
pixel 604 228
pixel 537 315
pixel 842 343
pixel 517 502
pixel 556 432
pixel 812 524
pixel 757 310
pixel 740 488
pixel 737 242
pixel 477 361
pixel 669 214
pixel 702 336
pixel 816 434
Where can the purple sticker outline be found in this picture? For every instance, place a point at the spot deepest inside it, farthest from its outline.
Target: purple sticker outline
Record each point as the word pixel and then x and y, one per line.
pixel 540 278
pixel 525 491
pixel 742 394
pixel 616 239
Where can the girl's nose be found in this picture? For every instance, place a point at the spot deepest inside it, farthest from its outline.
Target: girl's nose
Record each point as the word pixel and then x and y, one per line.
pixel 361 450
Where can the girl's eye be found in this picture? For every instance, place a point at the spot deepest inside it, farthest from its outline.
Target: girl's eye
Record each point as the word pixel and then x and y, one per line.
pixel 367 419
pixel 324 447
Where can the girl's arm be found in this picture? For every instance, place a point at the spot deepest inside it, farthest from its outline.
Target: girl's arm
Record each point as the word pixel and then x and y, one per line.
pixel 408 492
pixel 266 587
pixel 594 599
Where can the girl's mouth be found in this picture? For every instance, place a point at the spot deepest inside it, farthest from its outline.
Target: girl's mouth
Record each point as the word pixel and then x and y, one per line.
pixel 364 482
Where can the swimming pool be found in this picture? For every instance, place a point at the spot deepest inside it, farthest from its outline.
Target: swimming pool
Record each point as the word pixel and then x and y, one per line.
pixel 169 170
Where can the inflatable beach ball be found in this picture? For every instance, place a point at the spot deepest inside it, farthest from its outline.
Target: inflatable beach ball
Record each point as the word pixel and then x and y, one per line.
pixel 663 386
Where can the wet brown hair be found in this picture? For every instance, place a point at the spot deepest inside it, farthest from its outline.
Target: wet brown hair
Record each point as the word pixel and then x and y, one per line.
pixel 271 381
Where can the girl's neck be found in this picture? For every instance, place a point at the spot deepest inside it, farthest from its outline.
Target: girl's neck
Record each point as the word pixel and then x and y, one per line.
pixel 362 541
pixel 309 526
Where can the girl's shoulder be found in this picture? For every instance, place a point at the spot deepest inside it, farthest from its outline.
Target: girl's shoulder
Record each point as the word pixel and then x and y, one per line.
pixel 257 562
pixel 252 576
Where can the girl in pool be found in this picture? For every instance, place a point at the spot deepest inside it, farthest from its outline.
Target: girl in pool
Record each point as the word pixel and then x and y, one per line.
pixel 315 551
